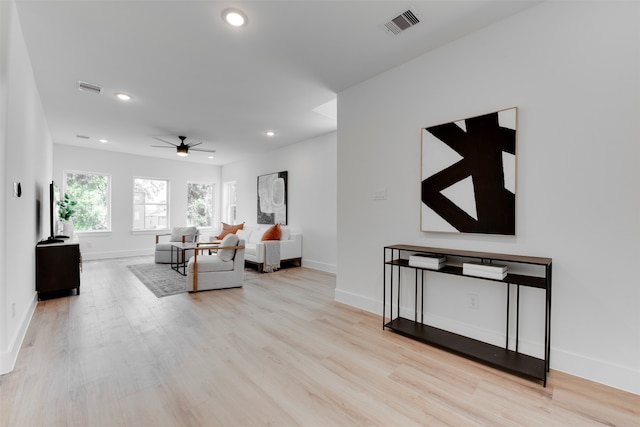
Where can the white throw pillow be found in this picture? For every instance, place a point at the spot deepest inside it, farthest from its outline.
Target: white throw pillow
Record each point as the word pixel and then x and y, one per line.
pixel 256 235
pixel 178 232
pixel 228 254
pixel 286 233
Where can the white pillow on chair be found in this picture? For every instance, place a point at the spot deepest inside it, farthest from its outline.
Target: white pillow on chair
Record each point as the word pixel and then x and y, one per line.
pixel 228 254
pixel 189 232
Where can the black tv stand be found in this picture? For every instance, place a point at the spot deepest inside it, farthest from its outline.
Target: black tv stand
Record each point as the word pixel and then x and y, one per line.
pixel 58 268
pixel 413 324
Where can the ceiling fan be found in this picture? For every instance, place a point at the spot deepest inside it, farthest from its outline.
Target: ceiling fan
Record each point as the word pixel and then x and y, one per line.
pixel 182 149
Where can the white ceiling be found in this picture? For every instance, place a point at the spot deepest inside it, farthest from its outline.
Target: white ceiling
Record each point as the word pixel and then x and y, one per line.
pixel 191 74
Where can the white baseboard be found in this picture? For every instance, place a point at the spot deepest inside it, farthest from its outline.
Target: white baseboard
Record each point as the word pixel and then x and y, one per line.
pixel 621 377
pixel 600 371
pixel 367 304
pixel 91 256
pixel 8 359
pixel 316 265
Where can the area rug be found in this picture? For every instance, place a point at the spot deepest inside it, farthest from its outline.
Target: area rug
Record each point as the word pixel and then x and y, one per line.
pixel 159 279
pixel 163 281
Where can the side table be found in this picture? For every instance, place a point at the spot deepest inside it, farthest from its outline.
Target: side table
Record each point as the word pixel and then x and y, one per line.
pixel 180 262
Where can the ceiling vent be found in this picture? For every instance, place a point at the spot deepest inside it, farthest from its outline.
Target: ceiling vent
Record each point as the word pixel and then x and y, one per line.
pixel 405 20
pixel 88 87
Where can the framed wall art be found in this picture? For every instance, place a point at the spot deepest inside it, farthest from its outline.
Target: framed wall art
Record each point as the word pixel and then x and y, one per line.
pixel 272 198
pixel 469 175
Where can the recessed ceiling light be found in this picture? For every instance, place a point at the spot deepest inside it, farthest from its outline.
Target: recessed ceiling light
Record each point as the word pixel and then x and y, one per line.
pixel 270 133
pixel 123 96
pixel 234 17
pixel 211 157
pixel 104 141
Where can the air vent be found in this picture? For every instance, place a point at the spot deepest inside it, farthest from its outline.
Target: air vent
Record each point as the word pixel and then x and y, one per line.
pixel 88 87
pixel 405 20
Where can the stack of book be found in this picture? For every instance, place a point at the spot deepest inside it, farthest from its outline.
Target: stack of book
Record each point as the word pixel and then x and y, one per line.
pixel 431 262
pixel 489 271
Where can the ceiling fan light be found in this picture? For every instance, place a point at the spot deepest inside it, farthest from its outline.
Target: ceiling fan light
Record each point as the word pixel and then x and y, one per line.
pixel 182 151
pixel 234 17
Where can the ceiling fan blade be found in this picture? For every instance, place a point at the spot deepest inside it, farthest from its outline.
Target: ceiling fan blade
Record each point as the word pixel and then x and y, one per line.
pixel 200 149
pixel 166 142
pixel 193 145
pixel 160 146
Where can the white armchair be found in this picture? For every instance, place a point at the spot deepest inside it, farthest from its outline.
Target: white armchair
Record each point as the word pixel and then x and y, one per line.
pixel 178 234
pixel 219 270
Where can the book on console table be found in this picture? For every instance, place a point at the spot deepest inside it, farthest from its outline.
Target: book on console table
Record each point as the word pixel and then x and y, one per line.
pixel 432 262
pixel 479 266
pixel 485 274
pixel 488 271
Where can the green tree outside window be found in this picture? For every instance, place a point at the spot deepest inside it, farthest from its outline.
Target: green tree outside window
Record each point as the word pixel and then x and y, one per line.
pixel 91 192
pixel 200 204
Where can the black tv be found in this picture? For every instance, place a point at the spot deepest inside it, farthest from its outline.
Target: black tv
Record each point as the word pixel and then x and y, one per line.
pixel 54 197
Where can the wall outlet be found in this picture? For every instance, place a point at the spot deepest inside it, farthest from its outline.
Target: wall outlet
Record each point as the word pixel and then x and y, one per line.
pixel 474 301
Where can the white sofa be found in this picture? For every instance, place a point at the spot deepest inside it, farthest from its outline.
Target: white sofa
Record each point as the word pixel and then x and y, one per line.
pixel 290 245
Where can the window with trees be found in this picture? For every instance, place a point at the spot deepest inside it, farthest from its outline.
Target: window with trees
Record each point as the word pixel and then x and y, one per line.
pixel 150 204
pixel 92 192
pixel 200 204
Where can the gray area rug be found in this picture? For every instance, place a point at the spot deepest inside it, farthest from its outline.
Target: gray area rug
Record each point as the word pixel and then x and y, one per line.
pixel 163 281
pixel 160 279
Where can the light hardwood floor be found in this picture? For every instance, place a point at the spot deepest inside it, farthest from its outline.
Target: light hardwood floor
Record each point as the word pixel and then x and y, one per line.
pixel 278 352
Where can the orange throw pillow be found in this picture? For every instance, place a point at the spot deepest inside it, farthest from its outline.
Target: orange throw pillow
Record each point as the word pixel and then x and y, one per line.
pixel 229 229
pixel 273 233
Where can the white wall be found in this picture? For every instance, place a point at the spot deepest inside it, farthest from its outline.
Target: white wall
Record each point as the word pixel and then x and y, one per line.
pixel 312 173
pixel 572 70
pixel 25 140
pixel 122 241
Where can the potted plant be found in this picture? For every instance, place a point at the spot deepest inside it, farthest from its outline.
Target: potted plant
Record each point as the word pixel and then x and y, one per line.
pixel 66 210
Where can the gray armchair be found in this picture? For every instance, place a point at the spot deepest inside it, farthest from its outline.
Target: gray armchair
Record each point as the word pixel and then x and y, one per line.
pixel 177 235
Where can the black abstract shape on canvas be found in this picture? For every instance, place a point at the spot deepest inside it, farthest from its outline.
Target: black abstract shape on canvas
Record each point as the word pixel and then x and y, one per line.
pixel 481 147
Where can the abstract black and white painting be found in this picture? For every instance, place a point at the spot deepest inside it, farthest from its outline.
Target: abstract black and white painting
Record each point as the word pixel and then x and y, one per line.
pixel 469 175
pixel 272 198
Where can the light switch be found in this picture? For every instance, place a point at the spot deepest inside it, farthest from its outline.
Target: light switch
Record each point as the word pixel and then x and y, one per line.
pixel 380 194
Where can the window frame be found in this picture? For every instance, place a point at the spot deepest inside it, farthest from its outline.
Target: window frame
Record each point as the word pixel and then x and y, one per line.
pixel 213 204
pixel 134 204
pixel 227 204
pixel 65 174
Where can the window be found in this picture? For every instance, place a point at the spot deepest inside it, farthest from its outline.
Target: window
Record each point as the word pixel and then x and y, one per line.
pixel 200 204
pixel 92 191
pixel 229 200
pixel 150 204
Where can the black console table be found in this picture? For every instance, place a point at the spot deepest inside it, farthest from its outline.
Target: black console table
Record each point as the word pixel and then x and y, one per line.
pixel 513 361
